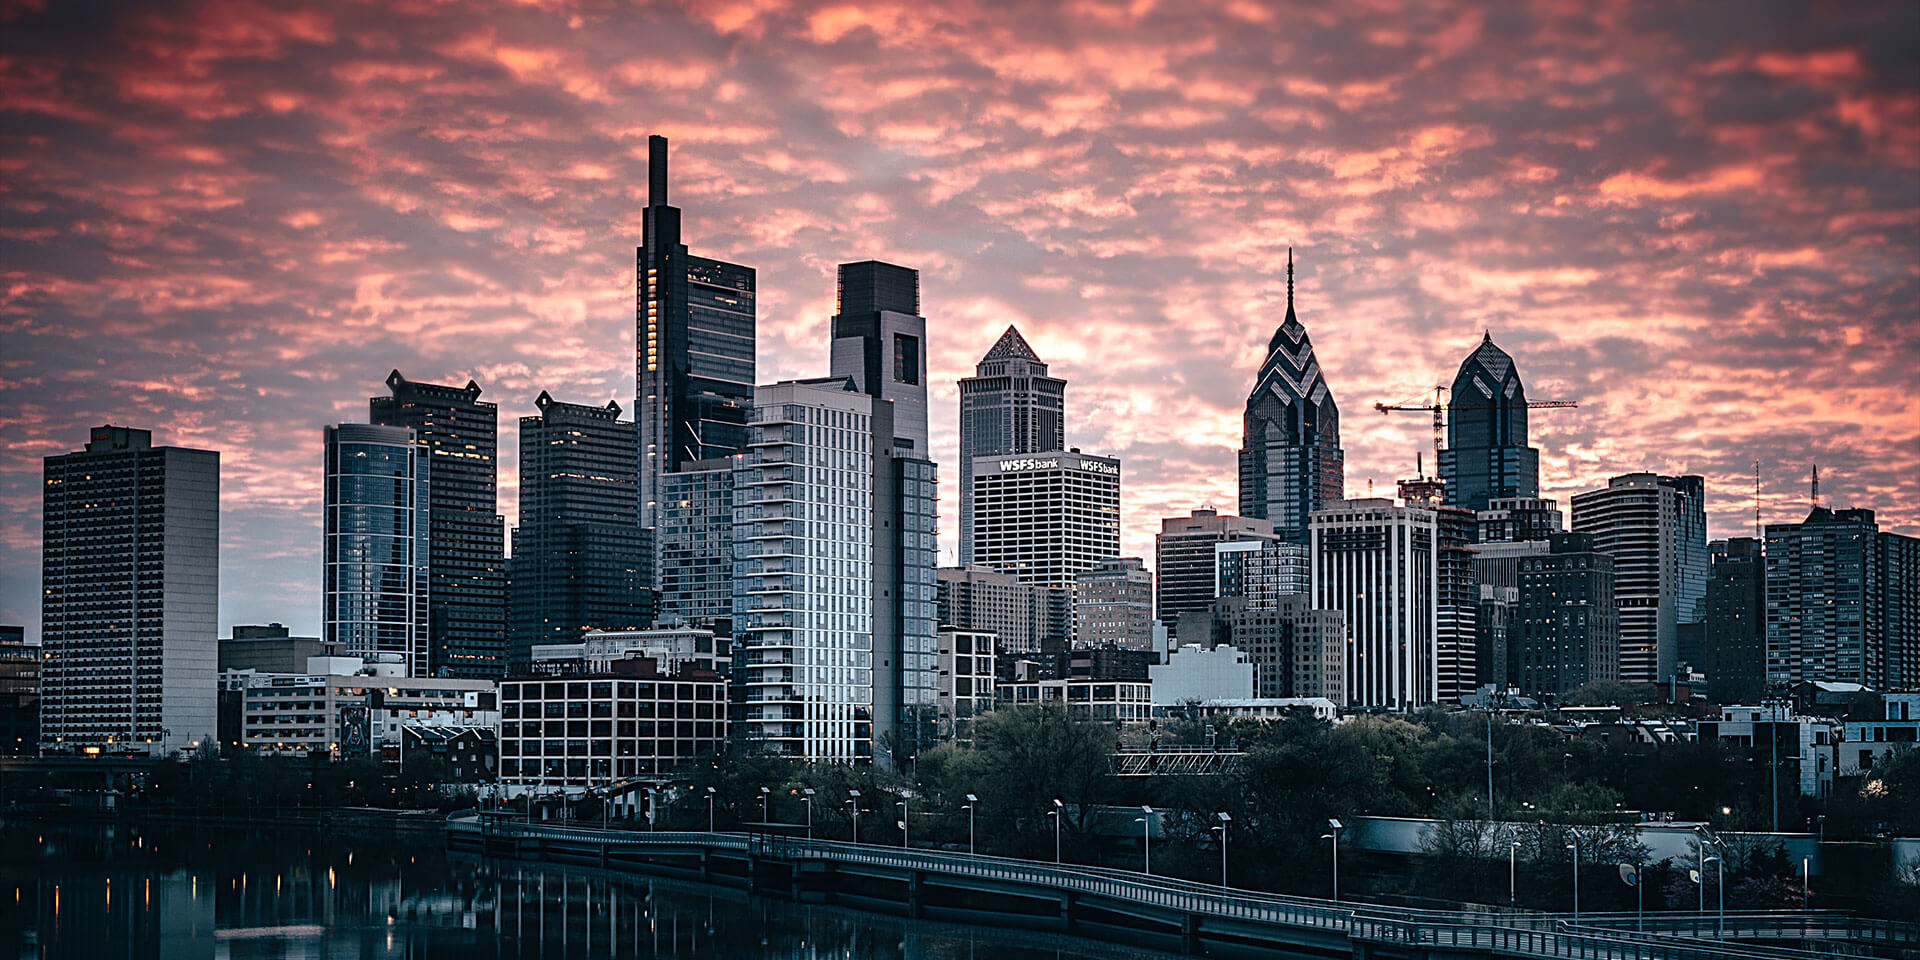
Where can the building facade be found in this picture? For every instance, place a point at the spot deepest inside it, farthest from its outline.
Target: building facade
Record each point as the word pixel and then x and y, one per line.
pixel 1113 604
pixel 375 581
pixel 1046 518
pixel 1185 559
pixel 693 347
pixel 1376 564
pixel 1508 519
pixel 130 591
pixel 1261 571
pixel 966 681
pixel 1655 528
pixel 1195 673
pixel 466 544
pixel 1009 407
pixel 1564 628
pixel 1736 629
pixel 1291 462
pixel 1842 598
pixel 271 648
pixel 1487 457
pixel 1106 701
pixel 695 544
pixel 1297 650
pixel 19 694
pixel 581 560
pixel 1024 618
pixel 566 734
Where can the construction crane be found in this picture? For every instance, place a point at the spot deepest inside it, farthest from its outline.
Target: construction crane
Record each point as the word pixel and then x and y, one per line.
pixel 1439 408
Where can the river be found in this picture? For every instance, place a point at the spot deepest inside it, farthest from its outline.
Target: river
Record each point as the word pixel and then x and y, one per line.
pixel 193 892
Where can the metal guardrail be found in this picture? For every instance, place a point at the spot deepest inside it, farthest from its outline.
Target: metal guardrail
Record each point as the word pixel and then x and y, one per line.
pixel 1604 936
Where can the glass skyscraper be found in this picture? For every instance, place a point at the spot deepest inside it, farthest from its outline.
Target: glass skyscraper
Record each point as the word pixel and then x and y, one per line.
pixel 1009 406
pixel 1291 463
pixel 693 347
pixel 375 581
pixel 1487 456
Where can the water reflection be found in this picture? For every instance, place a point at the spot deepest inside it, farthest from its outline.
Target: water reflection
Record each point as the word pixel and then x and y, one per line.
pixel 182 892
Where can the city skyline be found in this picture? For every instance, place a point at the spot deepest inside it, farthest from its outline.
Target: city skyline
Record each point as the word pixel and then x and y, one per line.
pixel 240 265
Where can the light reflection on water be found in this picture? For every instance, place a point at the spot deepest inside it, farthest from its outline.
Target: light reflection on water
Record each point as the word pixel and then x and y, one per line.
pixel 215 893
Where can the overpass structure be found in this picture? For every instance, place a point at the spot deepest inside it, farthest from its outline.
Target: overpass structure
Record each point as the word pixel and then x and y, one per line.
pixel 1174 914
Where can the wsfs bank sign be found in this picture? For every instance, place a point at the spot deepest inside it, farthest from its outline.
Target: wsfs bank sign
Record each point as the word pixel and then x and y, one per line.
pixel 1053 463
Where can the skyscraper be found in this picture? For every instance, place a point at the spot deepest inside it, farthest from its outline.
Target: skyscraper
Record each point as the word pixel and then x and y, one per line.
pixel 130 593
pixel 467 564
pixel 1290 458
pixel 1010 406
pixel 693 346
pixel 581 560
pixel 1564 627
pixel 1456 641
pixel 1736 627
pixel 1375 563
pixel 695 544
pixel 879 344
pixel 375 583
pixel 1655 528
pixel 1046 517
pixel 1487 456
pixel 1023 617
pixel 1261 571
pixel 1841 601
pixel 1184 561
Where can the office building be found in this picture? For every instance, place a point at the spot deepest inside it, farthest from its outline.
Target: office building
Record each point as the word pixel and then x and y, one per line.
pixel 1113 604
pixel 1375 563
pixel 271 648
pixel 672 649
pixel 130 591
pixel 1841 601
pixel 1194 673
pixel 695 544
pixel 466 556
pixel 1010 407
pixel 966 679
pixel 1117 702
pixel 1563 631
pixel 566 734
pixel 1655 528
pixel 1297 650
pixel 347 707
pixel 1261 571
pixel 1024 618
pixel 1513 519
pixel 1487 457
pixel 1047 517
pixel 879 345
pixel 1496 568
pixel 19 694
pixel 581 561
pixel 1735 657
pixel 375 581
pixel 1290 458
pixel 1184 559
pixel 693 347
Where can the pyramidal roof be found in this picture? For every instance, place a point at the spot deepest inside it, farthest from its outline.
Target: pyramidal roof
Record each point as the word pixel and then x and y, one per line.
pixel 1011 346
pixel 1291 372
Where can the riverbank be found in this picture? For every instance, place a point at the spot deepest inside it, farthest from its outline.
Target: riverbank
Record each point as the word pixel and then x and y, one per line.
pixel 424 825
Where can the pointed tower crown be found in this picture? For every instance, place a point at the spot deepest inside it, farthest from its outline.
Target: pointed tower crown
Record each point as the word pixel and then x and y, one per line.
pixel 1011 346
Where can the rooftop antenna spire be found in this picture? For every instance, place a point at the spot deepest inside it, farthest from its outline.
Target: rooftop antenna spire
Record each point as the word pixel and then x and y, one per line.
pixel 1756 500
pixel 1289 279
pixel 1816 485
pixel 656 171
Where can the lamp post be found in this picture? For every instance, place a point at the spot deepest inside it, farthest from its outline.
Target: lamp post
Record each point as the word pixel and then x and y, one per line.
pixel 710 795
pixel 1146 839
pixel 1513 861
pixel 904 812
pixel 1720 891
pixel 806 795
pixel 853 803
pixel 1575 847
pixel 1806 882
pixel 1224 820
pixel 1335 837
pixel 764 794
pixel 969 808
pixel 1055 813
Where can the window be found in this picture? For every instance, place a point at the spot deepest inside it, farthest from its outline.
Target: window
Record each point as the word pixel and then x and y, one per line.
pixel 906 359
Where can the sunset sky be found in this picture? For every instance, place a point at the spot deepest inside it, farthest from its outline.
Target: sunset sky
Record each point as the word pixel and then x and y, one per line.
pixel 226 222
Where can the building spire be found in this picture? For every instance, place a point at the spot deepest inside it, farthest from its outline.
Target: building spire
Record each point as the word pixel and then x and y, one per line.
pixel 1289 279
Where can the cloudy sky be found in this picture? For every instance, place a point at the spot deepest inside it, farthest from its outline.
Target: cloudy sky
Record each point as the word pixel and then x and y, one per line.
pixel 227 221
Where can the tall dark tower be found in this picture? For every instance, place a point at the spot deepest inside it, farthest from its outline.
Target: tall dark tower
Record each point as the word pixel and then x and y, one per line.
pixel 466 555
pixel 693 346
pixel 1290 458
pixel 1009 406
pixel 1487 457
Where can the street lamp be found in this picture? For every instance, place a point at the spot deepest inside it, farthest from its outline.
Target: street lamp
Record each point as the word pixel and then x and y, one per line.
pixel 1055 814
pixel 1513 860
pixel 968 807
pixel 1224 820
pixel 806 795
pixel 1146 838
pixel 764 794
pixel 853 802
pixel 1720 882
pixel 1575 847
pixel 905 811
pixel 710 794
pixel 1335 837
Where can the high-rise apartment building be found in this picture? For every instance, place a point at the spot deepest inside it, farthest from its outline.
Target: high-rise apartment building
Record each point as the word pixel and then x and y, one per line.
pixel 1736 627
pixel 1046 517
pixel 1023 617
pixel 695 544
pixel 466 559
pixel 376 584
pixel 1487 457
pixel 130 593
pixel 1185 562
pixel 693 346
pixel 1456 640
pixel 1841 601
pixel 581 560
pixel 1113 604
pixel 1261 571
pixel 1290 458
pixel 1655 528
pixel 880 345
pixel 1376 564
pixel 1513 519
pixel 1563 630
pixel 1009 407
